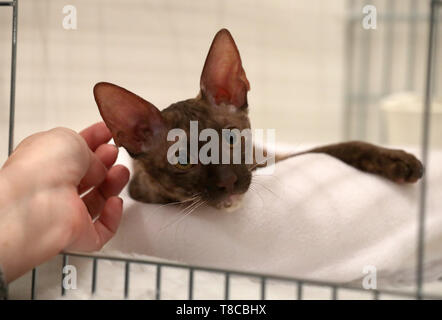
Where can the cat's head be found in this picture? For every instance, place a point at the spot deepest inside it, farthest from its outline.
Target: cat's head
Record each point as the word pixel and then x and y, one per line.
pixel 142 129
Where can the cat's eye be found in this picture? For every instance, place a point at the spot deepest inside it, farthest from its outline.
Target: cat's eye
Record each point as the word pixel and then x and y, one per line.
pixel 183 161
pixel 185 166
pixel 231 136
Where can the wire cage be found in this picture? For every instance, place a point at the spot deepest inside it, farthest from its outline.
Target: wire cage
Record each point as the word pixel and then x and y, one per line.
pixel 357 99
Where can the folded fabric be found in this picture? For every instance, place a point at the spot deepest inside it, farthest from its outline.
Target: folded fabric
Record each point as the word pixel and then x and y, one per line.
pixel 314 218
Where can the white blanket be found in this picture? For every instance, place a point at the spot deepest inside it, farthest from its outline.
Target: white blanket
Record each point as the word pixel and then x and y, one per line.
pixel 315 218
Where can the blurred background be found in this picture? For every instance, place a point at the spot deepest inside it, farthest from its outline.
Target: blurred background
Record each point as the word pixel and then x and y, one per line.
pixel 316 75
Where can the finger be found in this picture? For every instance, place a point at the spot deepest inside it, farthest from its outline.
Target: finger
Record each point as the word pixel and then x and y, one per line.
pixel 106 226
pixel 94 176
pixel 115 180
pixel 107 154
pixel 95 234
pixel 96 135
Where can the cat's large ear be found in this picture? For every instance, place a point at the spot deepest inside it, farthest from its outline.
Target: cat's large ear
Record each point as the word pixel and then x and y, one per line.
pixel 133 121
pixel 223 79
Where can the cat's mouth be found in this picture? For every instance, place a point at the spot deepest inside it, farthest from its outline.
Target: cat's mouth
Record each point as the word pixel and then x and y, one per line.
pixel 230 202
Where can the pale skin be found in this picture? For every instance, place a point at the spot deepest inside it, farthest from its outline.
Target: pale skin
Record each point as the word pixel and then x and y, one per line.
pixel 42 210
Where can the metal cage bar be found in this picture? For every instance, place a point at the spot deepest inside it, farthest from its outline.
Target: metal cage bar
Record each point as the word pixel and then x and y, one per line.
pixel 126 279
pixel 263 278
pixel 94 276
pixel 227 286
pixel 432 44
pixel 65 262
pixel 358 94
pixel 14 5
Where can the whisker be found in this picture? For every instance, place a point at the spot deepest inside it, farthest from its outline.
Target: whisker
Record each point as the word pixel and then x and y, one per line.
pixel 195 196
pixel 251 187
pixel 157 210
pixel 184 211
pixel 265 187
pixel 188 207
pixel 277 179
pixel 192 210
pixel 186 215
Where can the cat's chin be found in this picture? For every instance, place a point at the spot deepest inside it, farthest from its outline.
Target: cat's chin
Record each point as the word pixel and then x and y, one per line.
pixel 230 203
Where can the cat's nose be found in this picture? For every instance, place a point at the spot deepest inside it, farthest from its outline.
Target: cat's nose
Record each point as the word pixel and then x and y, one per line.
pixel 227 182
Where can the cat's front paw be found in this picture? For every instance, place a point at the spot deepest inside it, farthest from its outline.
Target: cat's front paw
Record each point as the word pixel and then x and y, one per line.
pixel 401 167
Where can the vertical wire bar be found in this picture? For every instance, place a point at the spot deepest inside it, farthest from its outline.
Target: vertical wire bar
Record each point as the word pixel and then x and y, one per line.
pixel 349 70
pixel 13 76
pixel 364 80
pixel 436 75
pixel 376 295
pixel 126 279
pixel 388 49
pixel 263 288
pixel 425 143
pixel 65 262
pixel 412 37
pixel 299 290
pixel 191 284
pixel 387 68
pixel 158 283
pixel 94 276
pixel 334 293
pixel 227 286
pixel 33 284
pixel 12 99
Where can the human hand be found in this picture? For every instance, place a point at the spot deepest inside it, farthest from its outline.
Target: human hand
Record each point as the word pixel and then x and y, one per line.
pixel 42 210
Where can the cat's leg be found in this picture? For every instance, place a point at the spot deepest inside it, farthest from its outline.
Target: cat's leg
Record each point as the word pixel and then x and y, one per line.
pixel 396 165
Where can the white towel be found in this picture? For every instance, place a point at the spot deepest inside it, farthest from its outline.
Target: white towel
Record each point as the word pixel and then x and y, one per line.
pixel 314 218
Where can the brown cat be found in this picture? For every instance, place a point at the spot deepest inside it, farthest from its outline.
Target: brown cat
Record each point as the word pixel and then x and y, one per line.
pixel 142 129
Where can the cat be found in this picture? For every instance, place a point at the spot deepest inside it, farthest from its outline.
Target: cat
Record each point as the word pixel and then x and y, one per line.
pixel 141 129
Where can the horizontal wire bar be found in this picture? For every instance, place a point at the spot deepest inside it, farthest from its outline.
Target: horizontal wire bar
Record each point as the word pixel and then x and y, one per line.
pixel 316 283
pixel 6 3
